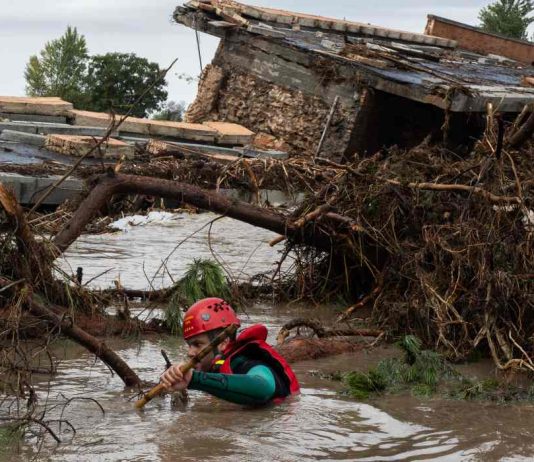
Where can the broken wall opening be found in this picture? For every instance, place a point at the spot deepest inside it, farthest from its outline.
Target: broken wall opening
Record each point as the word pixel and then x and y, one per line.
pixel 386 120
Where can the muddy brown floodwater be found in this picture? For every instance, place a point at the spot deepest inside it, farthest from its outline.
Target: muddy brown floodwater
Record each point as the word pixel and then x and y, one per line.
pixel 320 424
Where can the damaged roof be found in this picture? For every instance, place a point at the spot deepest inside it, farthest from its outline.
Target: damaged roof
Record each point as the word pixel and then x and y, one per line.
pixel 416 66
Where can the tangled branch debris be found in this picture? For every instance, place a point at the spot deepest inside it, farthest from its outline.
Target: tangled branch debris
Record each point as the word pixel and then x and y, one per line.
pixel 444 248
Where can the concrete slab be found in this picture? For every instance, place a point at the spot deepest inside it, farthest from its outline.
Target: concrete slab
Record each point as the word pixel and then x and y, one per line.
pixel 42 128
pixel 32 118
pixel 22 137
pixel 27 188
pixel 18 127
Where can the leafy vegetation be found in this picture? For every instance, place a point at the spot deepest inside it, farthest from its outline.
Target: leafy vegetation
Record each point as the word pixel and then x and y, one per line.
pixel 203 278
pixel 116 80
pixel 110 82
pixel 59 69
pixel 508 17
pixel 420 370
pixel 426 373
pixel 9 435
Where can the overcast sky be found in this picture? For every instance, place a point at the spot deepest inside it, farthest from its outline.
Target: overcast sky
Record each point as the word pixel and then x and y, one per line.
pixel 145 27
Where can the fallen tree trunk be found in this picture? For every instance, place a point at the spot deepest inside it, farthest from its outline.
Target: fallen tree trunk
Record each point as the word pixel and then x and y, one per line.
pixel 108 185
pixel 303 349
pixel 321 332
pixel 149 295
pixel 55 317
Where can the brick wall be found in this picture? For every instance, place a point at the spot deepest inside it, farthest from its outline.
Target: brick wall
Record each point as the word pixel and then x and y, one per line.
pixel 473 39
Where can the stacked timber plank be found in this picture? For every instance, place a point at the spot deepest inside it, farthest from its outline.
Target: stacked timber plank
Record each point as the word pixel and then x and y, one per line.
pixel 103 120
pixel 187 131
pixel 78 146
pixel 160 148
pixel 42 109
pixel 50 106
pixel 86 129
pixel 147 127
pixel 229 133
pixel 210 132
pixel 40 113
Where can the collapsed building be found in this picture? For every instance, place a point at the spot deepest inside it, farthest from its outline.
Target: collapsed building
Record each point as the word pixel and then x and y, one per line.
pixel 308 84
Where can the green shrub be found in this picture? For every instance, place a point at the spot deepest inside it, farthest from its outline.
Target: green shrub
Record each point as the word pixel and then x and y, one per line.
pixel 203 278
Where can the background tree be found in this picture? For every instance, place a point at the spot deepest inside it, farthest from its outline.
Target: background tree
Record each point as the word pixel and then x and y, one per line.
pixel 508 17
pixel 59 69
pixel 115 81
pixel 171 110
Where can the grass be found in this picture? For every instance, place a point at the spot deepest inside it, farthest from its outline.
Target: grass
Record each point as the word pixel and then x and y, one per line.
pixel 425 373
pixel 203 278
pixel 9 435
pixel 419 370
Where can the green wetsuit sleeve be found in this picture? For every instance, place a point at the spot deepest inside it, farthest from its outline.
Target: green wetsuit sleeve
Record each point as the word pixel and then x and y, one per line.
pixel 254 388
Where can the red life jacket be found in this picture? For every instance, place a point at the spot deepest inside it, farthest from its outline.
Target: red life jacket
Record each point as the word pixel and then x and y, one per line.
pixel 251 342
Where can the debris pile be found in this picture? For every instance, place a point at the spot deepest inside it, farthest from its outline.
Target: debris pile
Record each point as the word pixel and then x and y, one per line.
pixel 443 245
pixel 45 136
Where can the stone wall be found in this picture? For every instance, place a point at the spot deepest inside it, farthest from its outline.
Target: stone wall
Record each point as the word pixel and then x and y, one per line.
pixel 286 102
pixel 205 104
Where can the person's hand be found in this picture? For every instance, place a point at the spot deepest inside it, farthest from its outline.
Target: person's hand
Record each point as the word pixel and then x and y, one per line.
pixel 174 380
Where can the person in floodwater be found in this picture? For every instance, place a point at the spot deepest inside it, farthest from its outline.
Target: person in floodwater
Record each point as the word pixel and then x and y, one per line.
pixel 243 370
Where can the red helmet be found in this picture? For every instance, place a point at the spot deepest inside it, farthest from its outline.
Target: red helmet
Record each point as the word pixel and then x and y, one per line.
pixel 208 314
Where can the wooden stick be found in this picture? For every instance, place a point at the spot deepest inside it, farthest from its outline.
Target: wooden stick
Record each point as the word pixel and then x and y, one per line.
pixel 523 134
pixel 327 126
pixel 277 240
pixel 461 188
pixel 160 388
